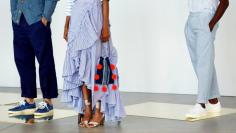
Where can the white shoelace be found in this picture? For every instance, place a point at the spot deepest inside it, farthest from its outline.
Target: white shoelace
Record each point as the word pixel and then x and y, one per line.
pixel 42 105
pixel 22 103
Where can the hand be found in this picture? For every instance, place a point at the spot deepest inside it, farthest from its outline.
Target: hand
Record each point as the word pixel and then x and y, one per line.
pixel 105 35
pixel 211 26
pixel 44 21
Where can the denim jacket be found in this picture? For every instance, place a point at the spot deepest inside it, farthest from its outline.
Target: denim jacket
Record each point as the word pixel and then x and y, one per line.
pixel 33 10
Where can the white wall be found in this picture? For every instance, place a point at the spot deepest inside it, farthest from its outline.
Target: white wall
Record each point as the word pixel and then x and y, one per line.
pixel 150 40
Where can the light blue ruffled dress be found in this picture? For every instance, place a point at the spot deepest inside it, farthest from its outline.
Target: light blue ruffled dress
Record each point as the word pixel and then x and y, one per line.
pixel 82 56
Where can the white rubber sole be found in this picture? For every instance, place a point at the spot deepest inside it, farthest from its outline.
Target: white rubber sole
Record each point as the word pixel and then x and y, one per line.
pixel 24 112
pixel 214 114
pixel 208 115
pixel 196 118
pixel 41 115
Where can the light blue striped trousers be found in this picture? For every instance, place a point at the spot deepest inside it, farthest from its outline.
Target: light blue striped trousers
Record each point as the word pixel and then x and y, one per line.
pixel 200 42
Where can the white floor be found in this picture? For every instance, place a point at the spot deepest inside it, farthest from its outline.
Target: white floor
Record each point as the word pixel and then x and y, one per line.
pixel 166 110
pixel 58 114
pixel 147 109
pixel 7 101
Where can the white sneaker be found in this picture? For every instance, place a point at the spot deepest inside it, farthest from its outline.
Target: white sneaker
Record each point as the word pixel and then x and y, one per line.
pixel 213 109
pixel 197 112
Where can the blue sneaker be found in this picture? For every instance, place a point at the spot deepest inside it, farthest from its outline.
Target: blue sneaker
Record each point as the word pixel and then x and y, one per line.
pixel 44 110
pixel 24 108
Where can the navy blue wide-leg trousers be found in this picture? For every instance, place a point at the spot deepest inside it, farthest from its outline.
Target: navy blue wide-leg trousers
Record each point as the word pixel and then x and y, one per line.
pixel 32 41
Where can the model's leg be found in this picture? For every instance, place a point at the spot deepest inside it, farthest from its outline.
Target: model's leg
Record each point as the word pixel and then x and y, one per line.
pixel 40 37
pixel 214 93
pixel 98 117
pixel 25 63
pixel 196 49
pixel 41 40
pixel 191 39
pixel 214 106
pixel 88 106
pixel 205 67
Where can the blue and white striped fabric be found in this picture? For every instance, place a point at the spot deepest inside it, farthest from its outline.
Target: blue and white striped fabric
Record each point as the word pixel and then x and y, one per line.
pixel 69 6
pixel 83 53
pixel 203 5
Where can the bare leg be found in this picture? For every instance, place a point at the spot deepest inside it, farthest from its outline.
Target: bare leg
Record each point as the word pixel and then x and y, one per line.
pixel 213 101
pixel 98 117
pixel 49 101
pixel 88 107
pixel 29 100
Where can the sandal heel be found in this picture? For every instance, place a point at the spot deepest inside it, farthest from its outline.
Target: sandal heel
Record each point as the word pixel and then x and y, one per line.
pixel 80 116
pixel 103 121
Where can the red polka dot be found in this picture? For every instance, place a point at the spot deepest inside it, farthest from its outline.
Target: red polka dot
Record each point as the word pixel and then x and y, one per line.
pixel 114 76
pixel 114 87
pixel 97 77
pixel 96 88
pixel 99 67
pixel 104 89
pixel 113 67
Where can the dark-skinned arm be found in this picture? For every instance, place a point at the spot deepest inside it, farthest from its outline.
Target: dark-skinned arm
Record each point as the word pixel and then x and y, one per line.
pixel 105 33
pixel 219 13
pixel 66 28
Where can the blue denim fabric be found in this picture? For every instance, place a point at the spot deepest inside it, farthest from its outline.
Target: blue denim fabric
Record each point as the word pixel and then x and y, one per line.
pixel 33 10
